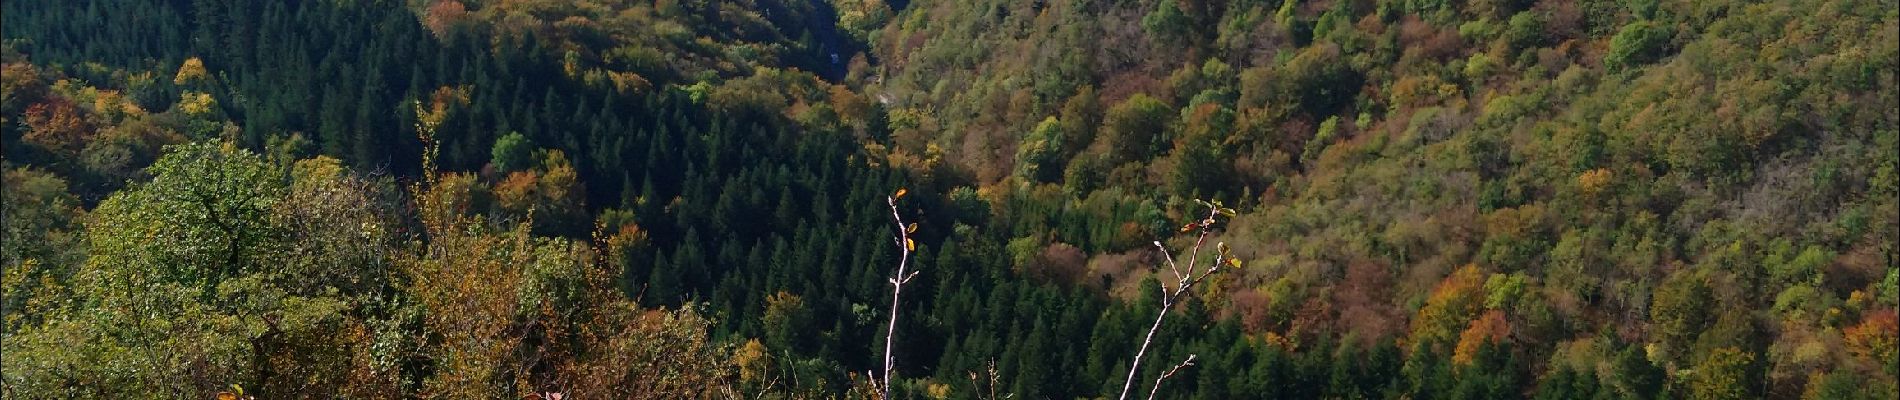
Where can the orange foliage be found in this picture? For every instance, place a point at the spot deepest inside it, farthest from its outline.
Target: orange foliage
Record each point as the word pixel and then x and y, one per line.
pixel 628 236
pixel 1877 337
pixel 57 126
pixel 1491 327
pixel 20 84
pixel 1281 342
pixel 1417 91
pixel 1452 303
pixel 443 15
pixel 849 105
pixel 628 82
pixel 518 192
pixel 514 312
pixel 427 118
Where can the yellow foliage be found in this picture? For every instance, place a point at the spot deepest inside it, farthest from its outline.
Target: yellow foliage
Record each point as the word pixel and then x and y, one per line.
pixel 192 70
pixel 453 197
pixel 112 106
pixel 196 103
pixel 753 360
pixel 1451 304
pixel 937 391
pixel 1282 342
pixel 628 82
pixel 1415 91
pixel 1593 181
pixel 316 169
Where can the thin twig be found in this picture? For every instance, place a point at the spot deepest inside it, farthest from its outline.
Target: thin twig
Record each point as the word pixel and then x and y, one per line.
pixel 1189 362
pixel 1170 257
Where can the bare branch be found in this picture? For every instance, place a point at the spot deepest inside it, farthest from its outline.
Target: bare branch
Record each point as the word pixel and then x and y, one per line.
pixel 904 245
pixel 1170 257
pixel 1189 362
pixel 978 386
pixel 1184 283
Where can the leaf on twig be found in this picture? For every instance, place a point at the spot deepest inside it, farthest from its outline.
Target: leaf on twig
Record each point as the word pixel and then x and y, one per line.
pixel 911 229
pixel 910 245
pixel 900 193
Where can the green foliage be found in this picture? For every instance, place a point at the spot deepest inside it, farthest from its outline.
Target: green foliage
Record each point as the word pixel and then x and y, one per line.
pixel 204 249
pixel 1166 20
pixel 1327 133
pixel 1135 128
pixel 1526 30
pixel 1503 291
pixel 1638 43
pixel 1205 141
pixel 1683 308
pixel 205 217
pixel 1635 376
pixel 1654 199
pixel 1039 156
pixel 42 224
pixel 1724 374
pixel 512 152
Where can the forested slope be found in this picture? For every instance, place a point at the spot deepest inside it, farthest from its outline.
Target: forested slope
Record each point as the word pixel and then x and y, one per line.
pixel 680 199
pixel 1694 182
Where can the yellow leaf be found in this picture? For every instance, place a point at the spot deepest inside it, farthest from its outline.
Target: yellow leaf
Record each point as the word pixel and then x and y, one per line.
pixel 910 245
pixel 900 193
pixel 912 228
pixel 1234 262
pixel 226 396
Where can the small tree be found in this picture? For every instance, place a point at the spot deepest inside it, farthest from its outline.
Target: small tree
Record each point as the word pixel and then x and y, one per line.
pixel 1183 283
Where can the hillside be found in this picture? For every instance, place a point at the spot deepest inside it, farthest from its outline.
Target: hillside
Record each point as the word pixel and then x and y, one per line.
pixel 694 199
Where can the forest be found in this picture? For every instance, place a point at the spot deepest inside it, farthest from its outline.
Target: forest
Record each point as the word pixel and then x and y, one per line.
pixel 1076 199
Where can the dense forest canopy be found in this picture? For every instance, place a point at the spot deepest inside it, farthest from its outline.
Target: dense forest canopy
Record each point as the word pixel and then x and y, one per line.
pixel 694 198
